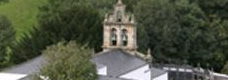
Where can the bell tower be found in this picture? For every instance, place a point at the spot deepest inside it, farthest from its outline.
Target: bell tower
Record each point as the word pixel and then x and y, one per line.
pixel 119 30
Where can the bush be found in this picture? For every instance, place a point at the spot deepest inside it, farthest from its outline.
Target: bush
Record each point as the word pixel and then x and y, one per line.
pixel 68 62
pixel 7 36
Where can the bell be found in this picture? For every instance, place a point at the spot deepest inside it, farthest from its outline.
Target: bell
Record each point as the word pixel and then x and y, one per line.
pixel 124 38
pixel 113 37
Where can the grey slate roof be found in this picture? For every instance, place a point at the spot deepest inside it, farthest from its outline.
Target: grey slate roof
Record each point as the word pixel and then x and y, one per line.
pixel 118 62
pixel 156 72
pixel 100 66
pixel 110 78
pixel 29 67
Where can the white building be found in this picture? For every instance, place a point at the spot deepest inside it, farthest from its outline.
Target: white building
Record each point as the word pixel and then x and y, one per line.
pixel 120 65
pixel 119 59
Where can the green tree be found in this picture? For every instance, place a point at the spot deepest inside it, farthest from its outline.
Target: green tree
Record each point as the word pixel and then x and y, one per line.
pixel 71 20
pixel 172 28
pixel 225 69
pixel 29 46
pixel 3 1
pixel 68 61
pixel 153 16
pixel 7 36
pixel 215 12
pixel 182 31
pixel 214 8
pixel 61 20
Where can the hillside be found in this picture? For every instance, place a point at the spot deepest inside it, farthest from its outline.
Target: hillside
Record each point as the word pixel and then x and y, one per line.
pixel 22 14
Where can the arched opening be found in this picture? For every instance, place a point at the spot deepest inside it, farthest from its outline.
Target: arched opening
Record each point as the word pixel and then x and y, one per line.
pixel 124 37
pixel 119 16
pixel 113 37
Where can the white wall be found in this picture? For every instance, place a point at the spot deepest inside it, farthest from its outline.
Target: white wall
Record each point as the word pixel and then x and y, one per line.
pixel 11 76
pixel 162 77
pixel 142 73
pixel 102 71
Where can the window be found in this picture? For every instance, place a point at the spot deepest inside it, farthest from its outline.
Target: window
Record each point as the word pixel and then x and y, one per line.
pixel 124 37
pixel 113 37
pixel 119 16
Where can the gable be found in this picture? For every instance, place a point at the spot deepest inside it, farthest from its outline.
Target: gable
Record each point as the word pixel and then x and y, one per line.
pixel 145 73
pixel 142 73
pixel 118 62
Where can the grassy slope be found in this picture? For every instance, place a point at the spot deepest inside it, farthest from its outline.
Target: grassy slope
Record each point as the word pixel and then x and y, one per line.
pixel 22 14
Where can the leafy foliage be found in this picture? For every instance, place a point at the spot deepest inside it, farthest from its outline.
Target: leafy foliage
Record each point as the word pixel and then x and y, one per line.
pixel 71 20
pixel 22 14
pixel 225 69
pixel 181 32
pixel 2 1
pixel 6 40
pixel 214 8
pixel 177 31
pixel 61 20
pixel 30 46
pixel 68 61
pixel 106 6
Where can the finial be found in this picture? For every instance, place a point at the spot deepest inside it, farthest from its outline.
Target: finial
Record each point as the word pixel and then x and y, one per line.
pixel 106 17
pixel 132 18
pixel 198 65
pixel 148 51
pixel 148 56
pixel 119 2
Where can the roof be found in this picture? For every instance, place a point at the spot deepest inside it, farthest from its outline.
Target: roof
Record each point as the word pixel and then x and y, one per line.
pixel 110 78
pixel 29 67
pixel 118 62
pixel 99 66
pixel 156 72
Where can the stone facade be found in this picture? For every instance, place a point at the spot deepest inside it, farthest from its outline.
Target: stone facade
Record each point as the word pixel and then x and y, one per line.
pixel 119 30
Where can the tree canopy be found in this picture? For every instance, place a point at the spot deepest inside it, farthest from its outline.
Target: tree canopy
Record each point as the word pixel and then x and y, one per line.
pixel 2 1
pixel 7 35
pixel 61 20
pixel 225 68
pixel 183 32
pixel 68 61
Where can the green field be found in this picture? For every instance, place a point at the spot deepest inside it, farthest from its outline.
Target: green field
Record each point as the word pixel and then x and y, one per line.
pixel 22 14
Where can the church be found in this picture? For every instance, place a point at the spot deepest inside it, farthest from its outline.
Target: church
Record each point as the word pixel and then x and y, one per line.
pixel 120 59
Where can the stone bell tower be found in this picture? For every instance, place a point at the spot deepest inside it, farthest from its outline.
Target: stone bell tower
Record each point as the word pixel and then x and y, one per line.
pixel 119 30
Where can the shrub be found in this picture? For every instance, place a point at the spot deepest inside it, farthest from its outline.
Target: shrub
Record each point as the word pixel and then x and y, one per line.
pixel 68 61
